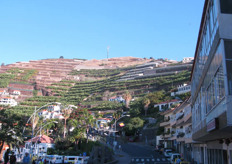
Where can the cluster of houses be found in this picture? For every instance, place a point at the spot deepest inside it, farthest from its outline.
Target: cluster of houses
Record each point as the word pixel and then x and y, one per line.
pixel 51 112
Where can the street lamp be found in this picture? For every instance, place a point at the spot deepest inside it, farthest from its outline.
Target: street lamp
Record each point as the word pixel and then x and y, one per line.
pixel 115 124
pixel 33 115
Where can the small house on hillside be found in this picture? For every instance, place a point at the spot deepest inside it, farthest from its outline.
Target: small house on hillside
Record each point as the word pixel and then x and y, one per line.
pixel 181 89
pixel 8 101
pixel 16 92
pixel 117 99
pixel 167 104
pixel 3 92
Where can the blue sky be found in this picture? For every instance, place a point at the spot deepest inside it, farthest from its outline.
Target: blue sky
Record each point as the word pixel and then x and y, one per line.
pixel 41 29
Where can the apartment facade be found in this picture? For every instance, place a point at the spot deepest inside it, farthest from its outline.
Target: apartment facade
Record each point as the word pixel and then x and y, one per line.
pixel 211 85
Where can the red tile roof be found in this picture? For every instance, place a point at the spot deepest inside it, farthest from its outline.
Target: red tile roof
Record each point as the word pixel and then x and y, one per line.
pixel 42 139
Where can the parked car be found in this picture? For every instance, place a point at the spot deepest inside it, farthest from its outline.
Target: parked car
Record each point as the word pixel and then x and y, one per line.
pixel 82 160
pixel 53 159
pixel 173 157
pixel 71 159
pixel 168 152
pixel 162 150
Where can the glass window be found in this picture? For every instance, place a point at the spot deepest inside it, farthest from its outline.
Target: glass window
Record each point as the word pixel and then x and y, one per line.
pixel 228 54
pixel 229 75
pixel 228 49
pixel 226 6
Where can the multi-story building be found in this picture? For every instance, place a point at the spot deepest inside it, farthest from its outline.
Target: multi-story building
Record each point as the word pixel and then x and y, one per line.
pixel 211 85
pixel 165 138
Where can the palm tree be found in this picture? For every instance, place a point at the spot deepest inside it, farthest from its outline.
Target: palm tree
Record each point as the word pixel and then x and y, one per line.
pixel 66 113
pixel 127 96
pixel 146 103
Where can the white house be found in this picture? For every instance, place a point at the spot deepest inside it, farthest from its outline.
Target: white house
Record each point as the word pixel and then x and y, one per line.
pixel 182 89
pixel 16 92
pixel 8 101
pixel 4 93
pixel 55 108
pixel 188 59
pixel 165 105
pixel 38 145
pixel 52 112
pixel 117 99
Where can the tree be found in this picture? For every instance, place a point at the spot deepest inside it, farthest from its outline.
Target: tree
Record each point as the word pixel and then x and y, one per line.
pixel 133 125
pixel 127 96
pixel 11 128
pixel 146 103
pixel 66 113
pixel 156 97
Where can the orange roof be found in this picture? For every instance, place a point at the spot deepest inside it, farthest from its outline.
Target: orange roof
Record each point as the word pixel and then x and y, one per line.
pixel 6 97
pixel 42 139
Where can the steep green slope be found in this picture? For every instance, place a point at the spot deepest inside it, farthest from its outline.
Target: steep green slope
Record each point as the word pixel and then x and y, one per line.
pixel 91 94
pixel 138 87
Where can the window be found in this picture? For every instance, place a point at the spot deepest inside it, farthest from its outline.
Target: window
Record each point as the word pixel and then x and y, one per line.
pixel 229 75
pixel 228 54
pixel 226 6
pixel 216 90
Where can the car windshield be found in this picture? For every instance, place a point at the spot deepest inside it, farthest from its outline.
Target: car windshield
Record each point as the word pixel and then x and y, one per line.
pixel 177 156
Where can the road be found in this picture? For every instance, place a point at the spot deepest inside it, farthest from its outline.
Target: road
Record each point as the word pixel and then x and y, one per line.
pixel 140 154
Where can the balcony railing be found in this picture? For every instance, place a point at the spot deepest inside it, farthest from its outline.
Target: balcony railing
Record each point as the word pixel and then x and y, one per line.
pixel 165 123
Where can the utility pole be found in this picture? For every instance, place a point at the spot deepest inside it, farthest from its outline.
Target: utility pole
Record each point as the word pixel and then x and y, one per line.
pixel 108 48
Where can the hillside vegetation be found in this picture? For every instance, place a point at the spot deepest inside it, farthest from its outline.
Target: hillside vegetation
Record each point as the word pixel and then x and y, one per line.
pixel 94 93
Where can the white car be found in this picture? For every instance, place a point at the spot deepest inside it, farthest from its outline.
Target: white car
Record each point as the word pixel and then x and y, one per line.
pixel 53 159
pixel 82 160
pixel 168 152
pixel 174 156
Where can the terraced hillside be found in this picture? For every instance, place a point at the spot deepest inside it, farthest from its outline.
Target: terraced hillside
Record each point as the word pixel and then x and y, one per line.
pixel 54 70
pixel 93 87
pixel 139 87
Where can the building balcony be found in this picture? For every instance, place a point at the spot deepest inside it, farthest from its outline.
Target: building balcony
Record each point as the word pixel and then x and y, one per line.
pixel 180 137
pixel 167 136
pixel 187 117
pixel 188 137
pixel 166 123
pixel 173 137
pixel 173 123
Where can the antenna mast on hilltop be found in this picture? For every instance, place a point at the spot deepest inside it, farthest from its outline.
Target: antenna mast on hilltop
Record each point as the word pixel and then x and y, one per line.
pixel 108 48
